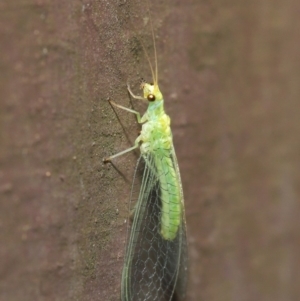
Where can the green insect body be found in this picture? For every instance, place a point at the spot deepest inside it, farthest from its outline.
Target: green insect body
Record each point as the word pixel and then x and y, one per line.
pixel 156 137
pixel 155 264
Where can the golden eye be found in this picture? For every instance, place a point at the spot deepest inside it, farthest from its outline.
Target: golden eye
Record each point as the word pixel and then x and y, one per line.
pixel 151 97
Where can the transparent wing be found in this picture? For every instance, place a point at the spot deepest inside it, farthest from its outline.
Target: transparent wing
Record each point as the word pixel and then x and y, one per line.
pixel 181 284
pixel 154 268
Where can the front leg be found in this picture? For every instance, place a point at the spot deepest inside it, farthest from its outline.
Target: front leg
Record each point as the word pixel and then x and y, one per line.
pixel 132 94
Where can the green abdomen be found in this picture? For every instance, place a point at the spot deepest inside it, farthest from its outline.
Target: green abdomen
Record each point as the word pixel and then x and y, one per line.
pixel 170 196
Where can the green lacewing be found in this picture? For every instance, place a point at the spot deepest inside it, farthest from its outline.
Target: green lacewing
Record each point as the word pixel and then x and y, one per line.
pixel 155 265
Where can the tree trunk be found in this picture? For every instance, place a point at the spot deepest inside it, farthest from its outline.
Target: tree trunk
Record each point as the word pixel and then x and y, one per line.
pixel 229 72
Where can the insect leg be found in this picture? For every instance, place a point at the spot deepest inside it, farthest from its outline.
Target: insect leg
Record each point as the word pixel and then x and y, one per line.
pixel 132 94
pixel 136 145
pixel 138 116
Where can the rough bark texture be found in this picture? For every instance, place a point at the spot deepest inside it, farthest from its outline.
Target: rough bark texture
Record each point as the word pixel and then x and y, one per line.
pixel 229 71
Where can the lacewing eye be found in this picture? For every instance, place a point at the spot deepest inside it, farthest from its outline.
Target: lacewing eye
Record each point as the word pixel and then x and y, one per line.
pixel 151 97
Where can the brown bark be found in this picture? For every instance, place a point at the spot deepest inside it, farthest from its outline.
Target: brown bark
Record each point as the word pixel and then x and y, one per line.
pixel 229 71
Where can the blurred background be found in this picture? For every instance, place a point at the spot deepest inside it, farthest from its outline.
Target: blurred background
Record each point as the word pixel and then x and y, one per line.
pixel 229 72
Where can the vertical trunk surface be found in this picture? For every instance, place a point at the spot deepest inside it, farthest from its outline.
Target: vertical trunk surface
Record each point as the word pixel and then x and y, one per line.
pixel 229 72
